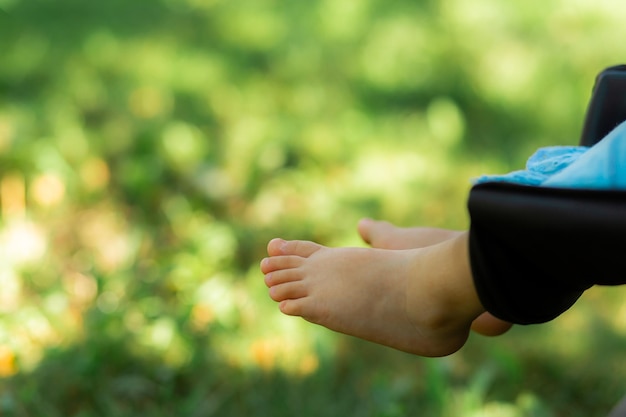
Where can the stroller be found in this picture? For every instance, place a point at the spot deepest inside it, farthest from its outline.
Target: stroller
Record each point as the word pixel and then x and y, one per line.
pixel 582 230
pixel 606 110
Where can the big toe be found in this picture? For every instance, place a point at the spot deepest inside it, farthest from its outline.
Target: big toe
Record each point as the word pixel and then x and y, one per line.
pixel 303 248
pixel 374 232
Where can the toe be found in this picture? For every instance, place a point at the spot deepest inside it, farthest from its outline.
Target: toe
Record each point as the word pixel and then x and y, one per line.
pixel 274 247
pixel 303 307
pixel 276 263
pixel 282 276
pixel 292 247
pixel 364 227
pixel 288 291
pixel 373 231
pixel 293 307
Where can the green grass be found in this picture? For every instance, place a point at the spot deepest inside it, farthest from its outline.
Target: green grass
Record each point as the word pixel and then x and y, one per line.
pixel 150 149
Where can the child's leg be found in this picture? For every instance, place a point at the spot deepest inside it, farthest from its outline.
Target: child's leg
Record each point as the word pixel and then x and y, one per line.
pixel 384 235
pixel 420 301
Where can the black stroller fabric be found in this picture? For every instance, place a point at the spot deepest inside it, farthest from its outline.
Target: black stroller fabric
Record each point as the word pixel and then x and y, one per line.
pixel 535 250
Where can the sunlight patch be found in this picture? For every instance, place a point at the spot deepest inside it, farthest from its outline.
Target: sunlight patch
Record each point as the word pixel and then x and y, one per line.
pixel 216 302
pixel 48 189
pixel 13 195
pixel 23 242
pixel 11 294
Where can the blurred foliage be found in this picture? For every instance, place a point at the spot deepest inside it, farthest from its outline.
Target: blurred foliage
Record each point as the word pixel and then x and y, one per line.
pixel 150 149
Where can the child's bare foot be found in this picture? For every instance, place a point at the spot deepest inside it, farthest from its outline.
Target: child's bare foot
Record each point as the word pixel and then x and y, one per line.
pixel 412 300
pixel 384 235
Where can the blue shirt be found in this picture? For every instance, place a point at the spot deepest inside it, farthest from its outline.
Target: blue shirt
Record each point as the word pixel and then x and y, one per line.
pixel 602 166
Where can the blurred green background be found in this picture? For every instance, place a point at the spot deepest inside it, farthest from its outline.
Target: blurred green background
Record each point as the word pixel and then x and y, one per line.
pixel 150 149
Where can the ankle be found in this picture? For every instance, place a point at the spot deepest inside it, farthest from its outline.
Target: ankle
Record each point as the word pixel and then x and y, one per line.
pixel 452 302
